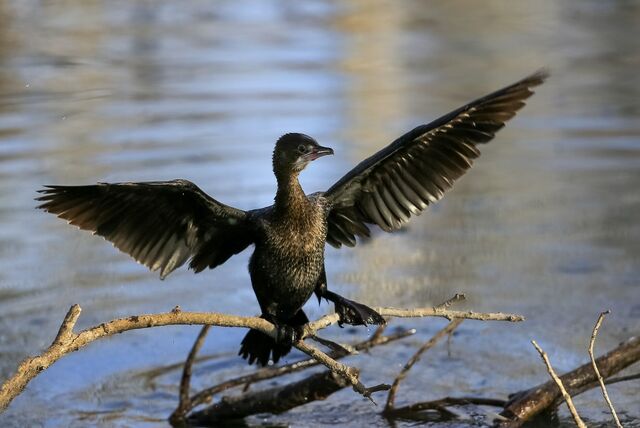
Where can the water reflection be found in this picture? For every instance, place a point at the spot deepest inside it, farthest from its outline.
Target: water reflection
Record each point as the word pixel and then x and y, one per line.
pixel 545 224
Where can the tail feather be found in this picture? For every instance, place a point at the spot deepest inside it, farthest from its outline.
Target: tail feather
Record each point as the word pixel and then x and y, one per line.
pixel 258 347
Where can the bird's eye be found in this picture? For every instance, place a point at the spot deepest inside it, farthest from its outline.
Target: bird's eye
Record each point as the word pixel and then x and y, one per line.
pixel 302 149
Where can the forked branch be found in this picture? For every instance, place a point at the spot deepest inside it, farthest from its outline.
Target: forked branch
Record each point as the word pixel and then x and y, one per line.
pixel 67 341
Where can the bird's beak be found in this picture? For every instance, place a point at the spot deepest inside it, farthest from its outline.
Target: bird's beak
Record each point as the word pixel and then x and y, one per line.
pixel 320 151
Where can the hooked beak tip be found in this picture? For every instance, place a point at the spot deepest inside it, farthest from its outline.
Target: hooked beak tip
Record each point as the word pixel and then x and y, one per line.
pixel 323 151
pixel 317 152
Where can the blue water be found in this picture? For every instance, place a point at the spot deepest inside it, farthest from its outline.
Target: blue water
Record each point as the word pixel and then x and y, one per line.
pixel 546 223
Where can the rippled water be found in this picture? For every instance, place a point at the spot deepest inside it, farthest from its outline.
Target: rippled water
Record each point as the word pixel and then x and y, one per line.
pixel 546 224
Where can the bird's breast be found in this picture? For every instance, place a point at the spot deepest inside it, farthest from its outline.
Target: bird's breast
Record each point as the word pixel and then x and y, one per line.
pixel 290 252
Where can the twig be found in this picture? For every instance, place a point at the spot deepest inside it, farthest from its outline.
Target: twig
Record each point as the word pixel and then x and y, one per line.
pixel 67 341
pixel 415 358
pixel 351 374
pixel 612 380
pixel 605 394
pixel 328 320
pixel 459 297
pixel 334 346
pixel 205 396
pixel 525 405
pixel 379 331
pixel 338 351
pixel 565 394
pixel 185 381
pixel 68 323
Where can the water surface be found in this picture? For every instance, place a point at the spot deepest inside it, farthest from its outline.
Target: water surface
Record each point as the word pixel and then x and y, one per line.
pixel 544 225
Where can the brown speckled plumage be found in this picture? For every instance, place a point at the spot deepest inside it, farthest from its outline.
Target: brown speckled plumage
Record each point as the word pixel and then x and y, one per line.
pixel 165 224
pixel 289 256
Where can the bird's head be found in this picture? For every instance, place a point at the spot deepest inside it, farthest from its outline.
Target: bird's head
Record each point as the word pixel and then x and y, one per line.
pixel 294 151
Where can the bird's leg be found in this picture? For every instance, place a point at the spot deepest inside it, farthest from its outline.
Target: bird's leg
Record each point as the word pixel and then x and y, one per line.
pixel 351 312
pixel 287 335
pixel 290 332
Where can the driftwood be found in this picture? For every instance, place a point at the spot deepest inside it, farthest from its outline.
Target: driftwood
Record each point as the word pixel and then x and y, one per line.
pixel 525 405
pixel 274 400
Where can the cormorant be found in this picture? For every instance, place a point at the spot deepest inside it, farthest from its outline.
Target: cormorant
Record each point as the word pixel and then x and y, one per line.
pixel 165 224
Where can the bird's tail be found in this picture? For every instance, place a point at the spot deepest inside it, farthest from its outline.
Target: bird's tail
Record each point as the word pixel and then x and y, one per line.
pixel 258 347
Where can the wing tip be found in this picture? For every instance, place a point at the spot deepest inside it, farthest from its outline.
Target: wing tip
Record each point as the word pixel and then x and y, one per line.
pixel 538 77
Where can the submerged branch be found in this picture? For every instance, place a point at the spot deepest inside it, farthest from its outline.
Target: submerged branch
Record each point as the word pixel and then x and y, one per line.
pixel 274 400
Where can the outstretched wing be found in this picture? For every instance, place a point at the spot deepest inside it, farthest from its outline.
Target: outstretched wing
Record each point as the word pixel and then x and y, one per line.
pixel 416 169
pixel 160 224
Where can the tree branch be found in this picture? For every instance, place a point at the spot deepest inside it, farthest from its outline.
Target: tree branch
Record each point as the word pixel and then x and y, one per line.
pixel 437 311
pixel 410 411
pixel 273 400
pixel 265 373
pixel 67 341
pixel 414 359
pixel 185 381
pixel 605 394
pixel 556 379
pixel 525 405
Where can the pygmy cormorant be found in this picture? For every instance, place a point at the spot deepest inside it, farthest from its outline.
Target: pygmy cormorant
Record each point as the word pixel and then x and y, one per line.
pixel 164 224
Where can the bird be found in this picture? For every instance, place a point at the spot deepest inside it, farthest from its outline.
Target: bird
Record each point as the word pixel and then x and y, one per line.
pixel 164 224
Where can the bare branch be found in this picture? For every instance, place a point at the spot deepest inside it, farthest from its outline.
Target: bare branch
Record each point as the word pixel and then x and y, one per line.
pixel 351 374
pixel 525 405
pixel 605 394
pixel 379 331
pixel 275 371
pixel 415 358
pixel 334 346
pixel 438 405
pixel 185 381
pixel 66 341
pixel 68 323
pixel 273 400
pixel 459 297
pixel 556 379
pixel 612 380
pixel 328 320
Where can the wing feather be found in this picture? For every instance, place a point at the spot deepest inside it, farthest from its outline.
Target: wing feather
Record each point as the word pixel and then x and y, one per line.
pixel 418 168
pixel 159 224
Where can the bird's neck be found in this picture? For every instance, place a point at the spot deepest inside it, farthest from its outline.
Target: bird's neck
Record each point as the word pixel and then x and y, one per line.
pixel 290 198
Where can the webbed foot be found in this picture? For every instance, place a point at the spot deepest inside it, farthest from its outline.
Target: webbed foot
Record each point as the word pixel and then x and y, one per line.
pixel 353 313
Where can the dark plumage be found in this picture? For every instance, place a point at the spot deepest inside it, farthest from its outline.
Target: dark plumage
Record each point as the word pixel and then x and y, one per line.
pixel 165 224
